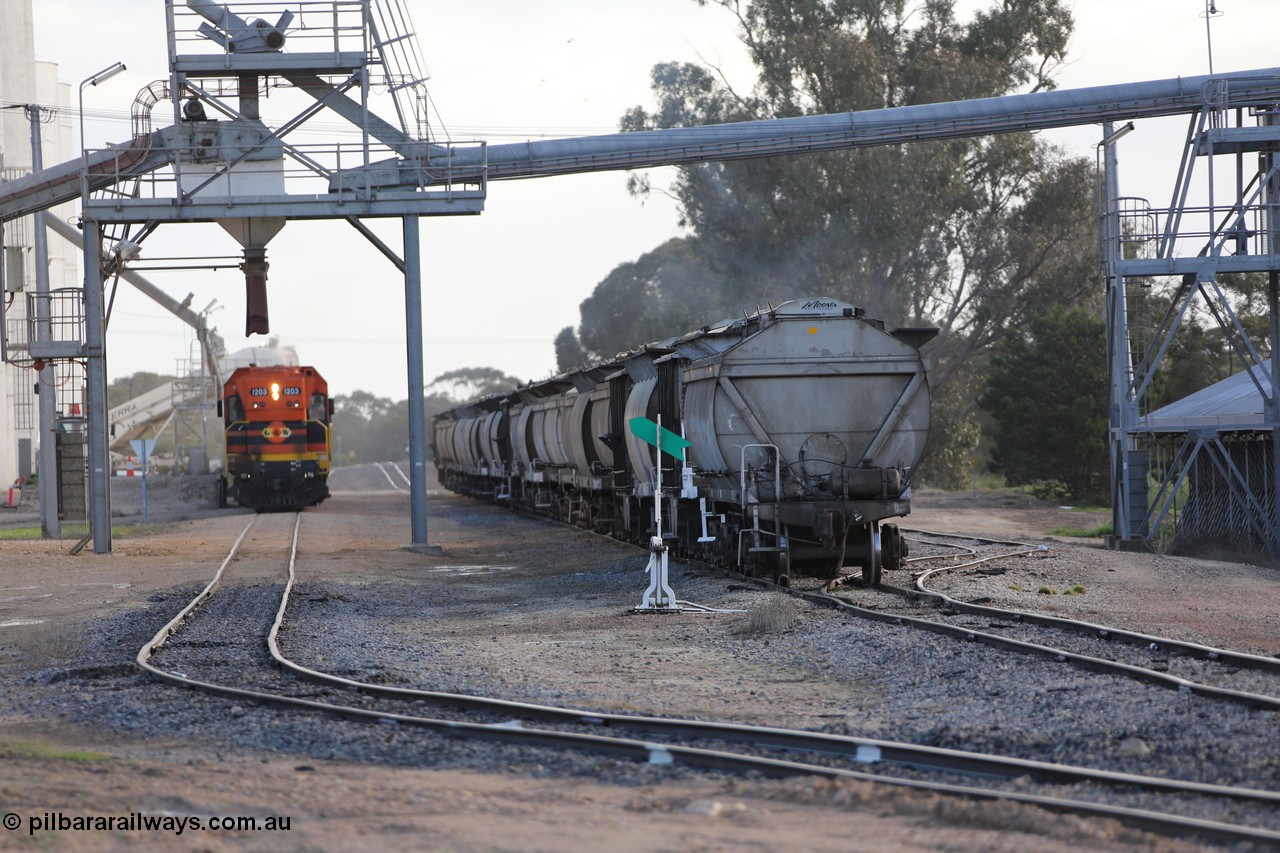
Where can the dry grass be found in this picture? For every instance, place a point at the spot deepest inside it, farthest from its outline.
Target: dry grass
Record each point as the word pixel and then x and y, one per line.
pixel 776 615
pixel 51 644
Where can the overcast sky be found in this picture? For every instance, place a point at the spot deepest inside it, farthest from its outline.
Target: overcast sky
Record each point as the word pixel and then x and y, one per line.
pixel 498 287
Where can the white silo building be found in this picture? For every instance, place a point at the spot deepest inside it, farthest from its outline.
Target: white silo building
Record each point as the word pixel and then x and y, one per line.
pixel 26 81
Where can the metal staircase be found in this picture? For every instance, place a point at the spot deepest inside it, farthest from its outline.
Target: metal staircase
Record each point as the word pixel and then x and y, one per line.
pixel 403 70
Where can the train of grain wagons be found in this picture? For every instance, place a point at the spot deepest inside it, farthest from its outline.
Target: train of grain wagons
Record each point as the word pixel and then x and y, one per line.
pixel 805 424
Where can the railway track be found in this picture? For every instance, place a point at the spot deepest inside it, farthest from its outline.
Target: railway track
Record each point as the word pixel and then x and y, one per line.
pixel 1247 679
pixel 226 642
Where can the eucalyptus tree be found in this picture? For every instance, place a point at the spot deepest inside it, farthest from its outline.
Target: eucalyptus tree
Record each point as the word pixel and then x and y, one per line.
pixel 974 236
pixel 663 293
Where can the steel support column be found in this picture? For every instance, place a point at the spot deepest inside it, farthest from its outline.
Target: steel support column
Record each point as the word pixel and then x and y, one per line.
pixel 96 390
pixel 1271 225
pixel 417 387
pixel 1118 363
pixel 47 406
pixel 1273 405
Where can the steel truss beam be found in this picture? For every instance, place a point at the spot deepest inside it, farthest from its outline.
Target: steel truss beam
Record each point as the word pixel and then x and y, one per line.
pixel 1139 242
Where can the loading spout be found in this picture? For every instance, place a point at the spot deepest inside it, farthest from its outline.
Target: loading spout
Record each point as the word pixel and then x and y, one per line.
pixel 256 317
pixel 253 233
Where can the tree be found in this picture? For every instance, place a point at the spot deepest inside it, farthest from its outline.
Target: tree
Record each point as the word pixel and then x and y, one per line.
pixel 470 383
pixel 569 350
pixel 368 428
pixel 1047 393
pixel 125 388
pixel 974 235
pixel 667 292
pixel 372 429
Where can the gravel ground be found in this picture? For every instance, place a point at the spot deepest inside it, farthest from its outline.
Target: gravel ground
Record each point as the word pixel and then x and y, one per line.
pixel 566 643
pixel 522 609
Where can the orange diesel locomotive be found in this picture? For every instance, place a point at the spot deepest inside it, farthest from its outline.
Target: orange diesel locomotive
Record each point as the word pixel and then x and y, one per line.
pixel 277 422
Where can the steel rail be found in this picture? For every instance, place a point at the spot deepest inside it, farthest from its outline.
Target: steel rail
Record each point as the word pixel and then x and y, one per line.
pixel 1198 651
pixel 966 537
pixel 1086 662
pixel 143 658
pixel 1089 663
pixel 656 753
pixel 864 750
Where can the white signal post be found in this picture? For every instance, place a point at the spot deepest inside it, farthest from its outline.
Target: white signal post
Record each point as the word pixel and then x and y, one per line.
pixel 659 597
pixel 143 447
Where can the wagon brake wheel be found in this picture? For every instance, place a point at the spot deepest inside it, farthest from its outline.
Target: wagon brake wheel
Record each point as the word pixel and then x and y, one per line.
pixel 871 561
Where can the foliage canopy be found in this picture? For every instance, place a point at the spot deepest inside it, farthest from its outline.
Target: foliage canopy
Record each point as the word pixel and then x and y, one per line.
pixel 1047 392
pixel 975 235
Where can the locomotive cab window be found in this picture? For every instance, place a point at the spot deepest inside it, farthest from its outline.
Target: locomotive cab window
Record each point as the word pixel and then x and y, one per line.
pixel 234 409
pixel 317 408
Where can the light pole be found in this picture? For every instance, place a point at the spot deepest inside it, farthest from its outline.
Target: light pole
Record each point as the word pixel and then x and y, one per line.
pixel 93 80
pixel 1210 12
pixel 95 350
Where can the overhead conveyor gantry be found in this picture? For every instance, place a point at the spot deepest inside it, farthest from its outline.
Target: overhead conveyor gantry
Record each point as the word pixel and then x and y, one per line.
pixel 459 165
pixel 232 169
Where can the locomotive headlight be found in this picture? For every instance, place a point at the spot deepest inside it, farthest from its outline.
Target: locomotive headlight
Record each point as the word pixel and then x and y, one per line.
pixel 275 390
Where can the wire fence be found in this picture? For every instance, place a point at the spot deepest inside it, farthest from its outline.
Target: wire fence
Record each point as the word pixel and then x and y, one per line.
pixel 1220 491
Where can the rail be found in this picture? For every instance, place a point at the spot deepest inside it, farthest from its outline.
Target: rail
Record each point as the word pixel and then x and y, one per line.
pixel 270 169
pixel 24 340
pixel 863 752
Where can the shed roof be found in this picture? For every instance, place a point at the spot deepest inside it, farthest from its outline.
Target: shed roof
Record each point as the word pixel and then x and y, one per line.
pixel 1233 403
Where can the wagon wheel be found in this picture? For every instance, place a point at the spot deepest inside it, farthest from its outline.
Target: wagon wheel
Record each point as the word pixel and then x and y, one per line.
pixel 872 559
pixel 894 547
